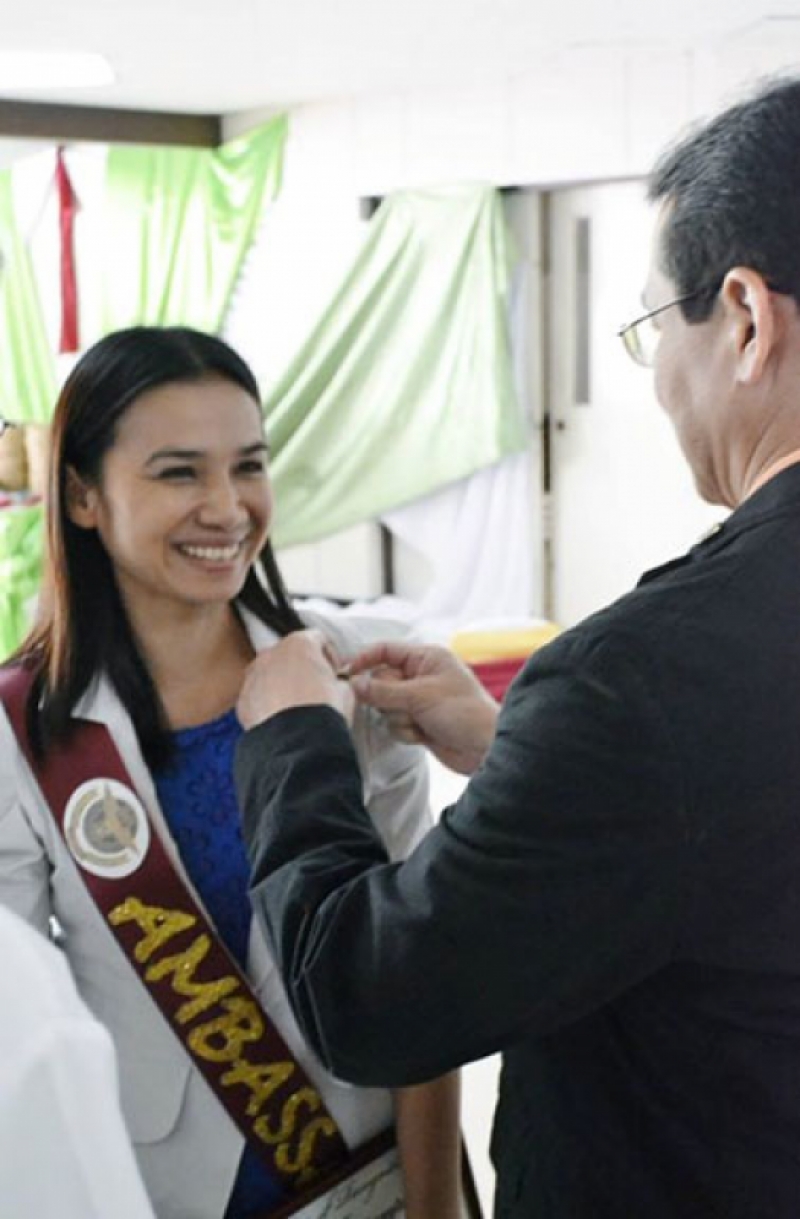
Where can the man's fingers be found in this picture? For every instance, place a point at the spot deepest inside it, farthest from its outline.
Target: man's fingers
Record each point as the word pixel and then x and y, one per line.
pixel 313 640
pixel 405 731
pixel 391 654
pixel 381 694
pixel 401 725
pixel 320 642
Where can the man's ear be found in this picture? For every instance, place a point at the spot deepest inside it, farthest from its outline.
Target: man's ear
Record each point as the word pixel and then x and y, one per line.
pixel 81 501
pixel 752 321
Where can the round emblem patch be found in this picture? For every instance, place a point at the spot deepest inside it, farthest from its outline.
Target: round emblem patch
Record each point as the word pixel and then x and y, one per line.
pixel 106 828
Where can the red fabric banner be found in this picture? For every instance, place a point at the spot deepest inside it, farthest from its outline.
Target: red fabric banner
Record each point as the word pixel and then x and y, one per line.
pixel 497 675
pixel 67 210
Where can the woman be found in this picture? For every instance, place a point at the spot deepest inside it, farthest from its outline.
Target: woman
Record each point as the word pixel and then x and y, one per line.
pixel 159 587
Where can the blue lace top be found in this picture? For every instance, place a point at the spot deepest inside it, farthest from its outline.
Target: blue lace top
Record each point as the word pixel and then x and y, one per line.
pixel 198 797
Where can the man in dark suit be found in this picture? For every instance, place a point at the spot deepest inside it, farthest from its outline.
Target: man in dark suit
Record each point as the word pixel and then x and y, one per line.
pixel 614 902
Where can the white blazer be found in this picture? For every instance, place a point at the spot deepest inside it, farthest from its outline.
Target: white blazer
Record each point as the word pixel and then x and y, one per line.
pixel 186 1144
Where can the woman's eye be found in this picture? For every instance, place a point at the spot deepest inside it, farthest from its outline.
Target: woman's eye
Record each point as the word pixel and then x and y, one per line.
pixel 254 465
pixel 176 473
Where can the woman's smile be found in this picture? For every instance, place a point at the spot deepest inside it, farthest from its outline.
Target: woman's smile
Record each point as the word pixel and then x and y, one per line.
pixel 212 553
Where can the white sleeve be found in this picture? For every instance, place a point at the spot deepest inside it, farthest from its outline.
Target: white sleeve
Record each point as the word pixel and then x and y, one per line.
pixel 64 1150
pixel 397 788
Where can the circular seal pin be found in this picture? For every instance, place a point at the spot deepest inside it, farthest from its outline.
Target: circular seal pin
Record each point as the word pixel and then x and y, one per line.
pixel 106 828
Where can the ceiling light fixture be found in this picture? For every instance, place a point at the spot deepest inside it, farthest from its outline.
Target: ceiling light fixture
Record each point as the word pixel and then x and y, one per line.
pixel 21 70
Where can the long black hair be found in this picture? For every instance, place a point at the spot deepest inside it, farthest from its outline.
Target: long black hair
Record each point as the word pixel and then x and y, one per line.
pixel 82 628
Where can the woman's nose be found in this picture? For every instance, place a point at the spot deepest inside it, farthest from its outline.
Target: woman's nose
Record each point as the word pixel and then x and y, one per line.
pixel 221 504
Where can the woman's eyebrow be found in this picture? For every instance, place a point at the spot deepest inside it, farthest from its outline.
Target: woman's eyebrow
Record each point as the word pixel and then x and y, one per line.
pixel 260 446
pixel 173 455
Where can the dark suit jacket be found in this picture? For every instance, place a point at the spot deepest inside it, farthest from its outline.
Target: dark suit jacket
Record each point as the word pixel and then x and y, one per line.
pixel 614 902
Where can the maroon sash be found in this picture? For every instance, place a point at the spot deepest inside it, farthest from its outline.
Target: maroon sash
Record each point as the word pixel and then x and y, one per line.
pixel 176 952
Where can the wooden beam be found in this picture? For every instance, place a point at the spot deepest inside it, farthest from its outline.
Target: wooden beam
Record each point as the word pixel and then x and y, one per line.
pixel 37 120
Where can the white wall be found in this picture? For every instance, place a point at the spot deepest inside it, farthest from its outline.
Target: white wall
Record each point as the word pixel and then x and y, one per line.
pixel 588 114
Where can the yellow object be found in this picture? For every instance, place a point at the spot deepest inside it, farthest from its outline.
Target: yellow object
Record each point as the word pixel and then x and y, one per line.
pixel 479 646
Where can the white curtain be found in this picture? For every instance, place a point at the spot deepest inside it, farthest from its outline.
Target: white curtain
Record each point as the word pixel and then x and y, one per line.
pixel 478 540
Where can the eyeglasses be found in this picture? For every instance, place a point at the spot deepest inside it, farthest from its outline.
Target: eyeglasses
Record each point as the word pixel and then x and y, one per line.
pixel 640 337
pixel 5 425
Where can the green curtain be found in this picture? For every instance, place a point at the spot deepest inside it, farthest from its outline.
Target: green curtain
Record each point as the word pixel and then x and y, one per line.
pixel 406 382
pixel 27 363
pixel 179 224
pixel 21 541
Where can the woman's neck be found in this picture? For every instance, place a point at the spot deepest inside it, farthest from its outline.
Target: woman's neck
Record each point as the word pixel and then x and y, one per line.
pixel 197 661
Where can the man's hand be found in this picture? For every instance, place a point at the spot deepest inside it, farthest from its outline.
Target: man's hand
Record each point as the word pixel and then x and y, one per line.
pixel 300 671
pixel 429 696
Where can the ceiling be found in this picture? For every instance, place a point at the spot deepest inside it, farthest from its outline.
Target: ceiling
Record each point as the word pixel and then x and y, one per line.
pixel 223 56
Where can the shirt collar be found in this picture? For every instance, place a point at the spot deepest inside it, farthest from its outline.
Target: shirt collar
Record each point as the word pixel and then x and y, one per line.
pixel 778 496
pixel 100 701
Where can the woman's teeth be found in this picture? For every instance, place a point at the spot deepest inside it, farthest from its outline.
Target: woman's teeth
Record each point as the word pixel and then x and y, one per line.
pixel 214 554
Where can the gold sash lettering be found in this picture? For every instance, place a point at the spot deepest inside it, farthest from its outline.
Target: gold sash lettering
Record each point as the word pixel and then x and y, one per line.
pixel 226 1036
pixel 182 967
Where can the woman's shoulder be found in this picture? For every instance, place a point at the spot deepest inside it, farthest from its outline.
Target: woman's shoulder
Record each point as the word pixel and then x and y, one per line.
pixel 15 683
pixel 351 633
pixel 15 785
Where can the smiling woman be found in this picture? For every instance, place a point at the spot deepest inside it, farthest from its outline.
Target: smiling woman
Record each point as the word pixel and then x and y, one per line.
pixel 182 506
pixel 160 586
